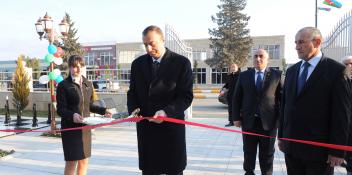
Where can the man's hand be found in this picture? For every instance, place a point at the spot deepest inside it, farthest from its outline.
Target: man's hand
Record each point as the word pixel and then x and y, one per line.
pixel 237 123
pixel 77 118
pixel 334 161
pixel 108 113
pixel 160 113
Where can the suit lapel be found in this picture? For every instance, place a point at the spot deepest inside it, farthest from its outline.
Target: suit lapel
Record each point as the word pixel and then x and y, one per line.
pixel 164 64
pixel 147 70
pixel 292 80
pixel 252 80
pixel 266 78
pixel 314 77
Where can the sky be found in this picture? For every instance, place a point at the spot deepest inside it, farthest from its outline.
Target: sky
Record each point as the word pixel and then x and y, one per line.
pixel 124 20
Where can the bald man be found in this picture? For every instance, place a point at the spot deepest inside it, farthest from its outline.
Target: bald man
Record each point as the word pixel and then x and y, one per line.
pixel 315 106
pixel 256 109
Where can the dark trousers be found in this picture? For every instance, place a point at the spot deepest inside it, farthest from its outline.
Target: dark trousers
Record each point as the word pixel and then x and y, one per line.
pixel 148 173
pixel 349 164
pixel 298 166
pixel 266 149
pixel 230 110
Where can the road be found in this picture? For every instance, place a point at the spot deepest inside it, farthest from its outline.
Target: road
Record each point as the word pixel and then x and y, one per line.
pixel 209 108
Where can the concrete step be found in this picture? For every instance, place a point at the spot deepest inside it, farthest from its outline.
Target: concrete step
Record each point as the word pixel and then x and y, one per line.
pixel 205 95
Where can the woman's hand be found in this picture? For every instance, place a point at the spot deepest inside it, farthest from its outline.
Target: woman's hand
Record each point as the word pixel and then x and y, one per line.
pixel 108 113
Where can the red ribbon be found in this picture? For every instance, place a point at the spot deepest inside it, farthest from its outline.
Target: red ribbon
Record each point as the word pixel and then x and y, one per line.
pixel 178 121
pixel 320 144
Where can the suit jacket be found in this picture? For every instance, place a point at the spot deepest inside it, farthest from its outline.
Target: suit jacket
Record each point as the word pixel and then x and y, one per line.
pixel 246 98
pixel 73 99
pixel 319 113
pixel 230 85
pixel 161 147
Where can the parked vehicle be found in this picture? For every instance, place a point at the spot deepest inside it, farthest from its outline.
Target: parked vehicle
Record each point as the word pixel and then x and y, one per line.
pixel 106 85
pixel 223 96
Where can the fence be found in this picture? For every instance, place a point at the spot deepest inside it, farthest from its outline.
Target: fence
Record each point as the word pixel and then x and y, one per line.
pixel 103 79
pixel 339 42
pixel 174 43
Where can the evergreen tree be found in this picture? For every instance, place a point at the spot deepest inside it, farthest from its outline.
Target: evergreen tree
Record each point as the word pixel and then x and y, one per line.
pixel 20 91
pixel 230 41
pixel 70 44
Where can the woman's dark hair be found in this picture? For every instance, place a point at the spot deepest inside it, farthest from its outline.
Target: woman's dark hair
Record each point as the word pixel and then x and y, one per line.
pixel 74 60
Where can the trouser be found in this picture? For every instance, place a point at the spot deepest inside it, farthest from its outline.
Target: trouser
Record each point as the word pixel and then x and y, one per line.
pixel 266 149
pixel 349 164
pixel 230 110
pixel 298 166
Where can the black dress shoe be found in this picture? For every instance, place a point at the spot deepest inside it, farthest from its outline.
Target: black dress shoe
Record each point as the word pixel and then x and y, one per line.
pixel 229 125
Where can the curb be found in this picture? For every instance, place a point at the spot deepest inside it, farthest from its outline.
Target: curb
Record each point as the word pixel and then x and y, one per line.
pixel 205 96
pixel 206 91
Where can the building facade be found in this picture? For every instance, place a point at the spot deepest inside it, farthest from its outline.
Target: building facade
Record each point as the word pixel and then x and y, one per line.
pixel 101 60
pixel 203 73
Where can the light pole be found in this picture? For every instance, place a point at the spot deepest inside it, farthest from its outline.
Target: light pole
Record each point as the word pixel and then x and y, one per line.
pixel 316 13
pixel 44 27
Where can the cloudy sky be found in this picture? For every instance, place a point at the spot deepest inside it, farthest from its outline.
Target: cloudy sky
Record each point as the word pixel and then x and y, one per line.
pixel 123 21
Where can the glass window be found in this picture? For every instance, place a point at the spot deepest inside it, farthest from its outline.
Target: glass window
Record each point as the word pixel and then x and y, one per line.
pixel 128 56
pixel 106 58
pixel 200 75
pixel 199 55
pixel 89 59
pixel 124 75
pixel 273 50
pixel 218 76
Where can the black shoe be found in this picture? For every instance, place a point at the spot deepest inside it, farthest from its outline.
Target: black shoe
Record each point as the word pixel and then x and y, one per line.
pixel 229 125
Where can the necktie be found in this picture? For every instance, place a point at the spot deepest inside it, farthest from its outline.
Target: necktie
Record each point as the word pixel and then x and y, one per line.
pixel 303 77
pixel 259 82
pixel 155 69
pixel 258 85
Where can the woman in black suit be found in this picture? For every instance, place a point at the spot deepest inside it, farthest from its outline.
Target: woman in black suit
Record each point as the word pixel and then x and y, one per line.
pixel 74 102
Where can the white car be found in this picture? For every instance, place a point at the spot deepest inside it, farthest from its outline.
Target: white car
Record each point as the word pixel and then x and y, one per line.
pixel 106 85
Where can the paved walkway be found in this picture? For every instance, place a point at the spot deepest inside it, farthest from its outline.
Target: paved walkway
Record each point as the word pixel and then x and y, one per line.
pixel 114 151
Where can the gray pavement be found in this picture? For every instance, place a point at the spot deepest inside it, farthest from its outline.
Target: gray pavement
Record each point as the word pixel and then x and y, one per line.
pixel 114 149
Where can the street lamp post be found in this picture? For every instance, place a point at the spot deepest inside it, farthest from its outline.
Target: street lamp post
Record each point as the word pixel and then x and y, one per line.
pixel 316 13
pixel 44 27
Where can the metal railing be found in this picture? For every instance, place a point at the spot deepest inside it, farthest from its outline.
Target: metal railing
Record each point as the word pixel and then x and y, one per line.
pixel 174 43
pixel 339 42
pixel 105 80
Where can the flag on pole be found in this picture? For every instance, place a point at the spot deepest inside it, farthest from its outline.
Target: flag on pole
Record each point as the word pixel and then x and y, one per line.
pixel 333 3
pixel 324 8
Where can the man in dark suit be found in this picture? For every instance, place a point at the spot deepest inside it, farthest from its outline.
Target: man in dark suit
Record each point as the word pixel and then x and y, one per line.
pixel 160 85
pixel 347 61
pixel 315 107
pixel 255 109
pixel 230 85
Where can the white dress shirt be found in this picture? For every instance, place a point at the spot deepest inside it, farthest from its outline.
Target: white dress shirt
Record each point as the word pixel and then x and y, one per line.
pixel 313 62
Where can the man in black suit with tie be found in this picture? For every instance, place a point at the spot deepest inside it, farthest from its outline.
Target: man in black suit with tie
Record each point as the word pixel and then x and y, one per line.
pixel 315 107
pixel 347 61
pixel 160 85
pixel 256 109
